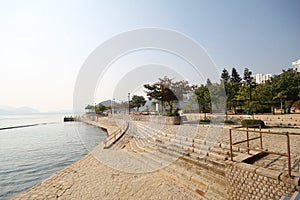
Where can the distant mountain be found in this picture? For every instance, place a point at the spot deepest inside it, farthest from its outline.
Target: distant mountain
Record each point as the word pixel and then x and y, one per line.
pixel 107 103
pixel 6 110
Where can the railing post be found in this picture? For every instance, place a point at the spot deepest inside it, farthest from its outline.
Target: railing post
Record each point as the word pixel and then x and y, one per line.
pixel 289 154
pixel 261 141
pixel 248 141
pixel 230 140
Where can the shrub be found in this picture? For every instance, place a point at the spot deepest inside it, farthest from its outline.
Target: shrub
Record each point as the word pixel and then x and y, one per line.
pixel 228 121
pixel 169 114
pixel 253 123
pixel 206 121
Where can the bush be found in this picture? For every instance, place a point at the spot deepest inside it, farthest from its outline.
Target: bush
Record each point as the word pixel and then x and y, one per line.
pixel 228 122
pixel 168 114
pixel 204 121
pixel 253 123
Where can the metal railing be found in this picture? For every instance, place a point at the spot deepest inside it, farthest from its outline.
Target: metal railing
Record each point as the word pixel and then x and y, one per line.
pixel 260 137
pixel 115 136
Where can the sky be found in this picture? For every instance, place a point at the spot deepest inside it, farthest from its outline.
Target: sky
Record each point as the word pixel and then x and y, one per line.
pixel 43 44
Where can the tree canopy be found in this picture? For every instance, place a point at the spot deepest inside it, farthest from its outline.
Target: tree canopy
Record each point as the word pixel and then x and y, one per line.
pixel 167 91
pixel 137 101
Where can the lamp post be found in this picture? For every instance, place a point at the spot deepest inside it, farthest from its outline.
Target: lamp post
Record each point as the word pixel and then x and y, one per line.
pixel 162 87
pixel 112 106
pixel 128 103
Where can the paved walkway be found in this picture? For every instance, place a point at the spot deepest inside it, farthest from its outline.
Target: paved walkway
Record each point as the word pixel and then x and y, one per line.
pixel 90 179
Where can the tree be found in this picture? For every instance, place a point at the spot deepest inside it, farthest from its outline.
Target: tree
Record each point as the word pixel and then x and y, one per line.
pixel 167 91
pixel 89 108
pixel 100 108
pixel 247 76
pixel 248 79
pixel 137 101
pixel 218 97
pixel 203 98
pixel 263 97
pixel 280 96
pixel 208 82
pixel 233 88
pixel 225 76
pixel 288 82
pixel 241 96
pixel 235 77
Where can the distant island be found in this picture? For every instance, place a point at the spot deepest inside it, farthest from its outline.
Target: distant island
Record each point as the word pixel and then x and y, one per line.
pixel 8 110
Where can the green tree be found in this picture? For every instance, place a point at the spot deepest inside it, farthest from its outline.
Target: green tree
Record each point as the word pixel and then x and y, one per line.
pixel 233 88
pixel 248 76
pixel 262 97
pixel 241 98
pixel 137 101
pixel 235 77
pixel 225 80
pixel 89 108
pixel 167 91
pixel 288 82
pixel 225 77
pixel 249 83
pixel 280 96
pixel 100 108
pixel 203 98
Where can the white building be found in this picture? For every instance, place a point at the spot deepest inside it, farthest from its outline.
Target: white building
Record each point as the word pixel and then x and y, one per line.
pixel 296 65
pixel 262 78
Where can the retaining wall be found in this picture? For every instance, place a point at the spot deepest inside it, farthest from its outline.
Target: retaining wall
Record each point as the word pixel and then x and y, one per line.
pixel 247 181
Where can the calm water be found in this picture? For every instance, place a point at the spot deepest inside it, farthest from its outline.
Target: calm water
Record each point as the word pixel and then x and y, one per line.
pixel 29 155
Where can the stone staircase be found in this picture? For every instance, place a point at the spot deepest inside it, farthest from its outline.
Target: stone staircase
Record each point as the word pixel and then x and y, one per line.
pixel 195 164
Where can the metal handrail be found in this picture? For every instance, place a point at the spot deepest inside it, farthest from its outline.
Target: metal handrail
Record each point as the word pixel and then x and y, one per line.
pixel 287 134
pixel 115 136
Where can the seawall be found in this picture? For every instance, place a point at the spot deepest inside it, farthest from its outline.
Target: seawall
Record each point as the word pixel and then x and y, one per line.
pixel 88 178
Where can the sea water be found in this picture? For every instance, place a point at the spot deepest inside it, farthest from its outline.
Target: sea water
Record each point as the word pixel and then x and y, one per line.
pixel 31 154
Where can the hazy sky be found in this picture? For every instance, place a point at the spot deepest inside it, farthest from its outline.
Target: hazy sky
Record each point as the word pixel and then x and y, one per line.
pixel 43 44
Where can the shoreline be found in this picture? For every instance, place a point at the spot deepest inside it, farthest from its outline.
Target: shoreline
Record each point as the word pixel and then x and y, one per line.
pixel 88 178
pixel 91 178
pixel 104 125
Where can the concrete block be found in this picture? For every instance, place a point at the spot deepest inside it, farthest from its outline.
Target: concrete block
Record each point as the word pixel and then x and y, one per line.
pixel 247 167
pixel 268 173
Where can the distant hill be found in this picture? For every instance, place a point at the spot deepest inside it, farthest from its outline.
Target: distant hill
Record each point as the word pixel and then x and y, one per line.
pixel 7 110
pixel 108 103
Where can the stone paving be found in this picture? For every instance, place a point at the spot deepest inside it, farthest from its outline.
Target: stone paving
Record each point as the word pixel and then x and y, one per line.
pixel 90 179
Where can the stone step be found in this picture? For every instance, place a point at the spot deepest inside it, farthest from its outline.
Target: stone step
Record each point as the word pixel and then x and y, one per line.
pixel 207 164
pixel 216 184
pixel 207 188
pixel 220 151
pixel 135 147
pixel 180 171
pixel 217 156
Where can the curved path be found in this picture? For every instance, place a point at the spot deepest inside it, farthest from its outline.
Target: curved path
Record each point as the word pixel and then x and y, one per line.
pixel 90 179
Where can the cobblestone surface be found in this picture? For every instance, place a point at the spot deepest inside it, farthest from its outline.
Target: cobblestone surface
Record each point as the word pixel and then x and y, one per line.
pixel 90 179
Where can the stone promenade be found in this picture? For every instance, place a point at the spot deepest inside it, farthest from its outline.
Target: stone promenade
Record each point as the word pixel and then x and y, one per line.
pixel 90 179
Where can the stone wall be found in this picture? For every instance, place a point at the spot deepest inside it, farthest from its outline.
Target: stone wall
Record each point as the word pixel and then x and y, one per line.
pixel 247 181
pixel 157 118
